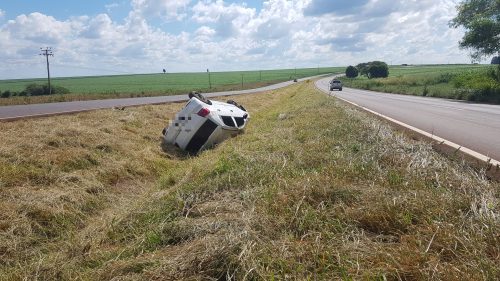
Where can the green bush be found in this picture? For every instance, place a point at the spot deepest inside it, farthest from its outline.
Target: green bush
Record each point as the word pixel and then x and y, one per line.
pixel 6 94
pixel 43 90
pixel 351 72
pixel 480 86
pixel 444 78
pixel 378 69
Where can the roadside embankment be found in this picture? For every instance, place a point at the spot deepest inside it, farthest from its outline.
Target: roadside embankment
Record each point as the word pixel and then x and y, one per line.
pixel 476 83
pixel 313 190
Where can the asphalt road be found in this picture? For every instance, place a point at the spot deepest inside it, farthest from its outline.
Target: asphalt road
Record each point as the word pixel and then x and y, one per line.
pixel 15 112
pixel 474 126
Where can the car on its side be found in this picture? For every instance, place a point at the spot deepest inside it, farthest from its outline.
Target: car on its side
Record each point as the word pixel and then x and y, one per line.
pixel 335 84
pixel 204 123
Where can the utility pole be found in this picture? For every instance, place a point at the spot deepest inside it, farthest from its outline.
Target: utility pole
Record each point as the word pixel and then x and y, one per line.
pixel 260 75
pixel 242 81
pixel 209 81
pixel 47 52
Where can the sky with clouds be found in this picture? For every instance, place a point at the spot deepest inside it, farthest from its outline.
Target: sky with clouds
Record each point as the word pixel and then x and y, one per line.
pixel 96 37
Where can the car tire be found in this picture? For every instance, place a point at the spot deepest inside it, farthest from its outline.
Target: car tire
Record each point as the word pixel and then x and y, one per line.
pixel 340 89
pixel 200 97
pixel 236 104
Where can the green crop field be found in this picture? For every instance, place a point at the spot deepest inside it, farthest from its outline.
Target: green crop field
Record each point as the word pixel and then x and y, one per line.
pixel 97 87
pixel 430 70
pixel 466 82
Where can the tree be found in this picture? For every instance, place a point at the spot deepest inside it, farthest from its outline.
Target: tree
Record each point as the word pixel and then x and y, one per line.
pixel 164 71
pixel 363 68
pixel 495 60
pixel 351 72
pixel 373 69
pixel 378 69
pixel 481 21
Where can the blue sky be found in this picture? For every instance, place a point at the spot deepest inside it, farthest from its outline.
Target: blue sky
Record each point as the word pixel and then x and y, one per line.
pixel 143 36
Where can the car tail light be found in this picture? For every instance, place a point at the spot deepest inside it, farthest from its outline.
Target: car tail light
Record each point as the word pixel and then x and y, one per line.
pixel 204 112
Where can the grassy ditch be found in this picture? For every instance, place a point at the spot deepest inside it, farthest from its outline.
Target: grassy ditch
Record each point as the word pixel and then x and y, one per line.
pixel 464 82
pixel 312 190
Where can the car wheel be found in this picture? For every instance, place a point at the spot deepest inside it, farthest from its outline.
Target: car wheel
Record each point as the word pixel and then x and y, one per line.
pixel 200 97
pixel 340 89
pixel 236 104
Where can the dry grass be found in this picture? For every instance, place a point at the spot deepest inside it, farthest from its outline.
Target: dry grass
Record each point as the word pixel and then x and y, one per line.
pixel 312 190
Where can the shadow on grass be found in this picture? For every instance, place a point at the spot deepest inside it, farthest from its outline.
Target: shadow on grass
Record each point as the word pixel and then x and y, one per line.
pixel 173 151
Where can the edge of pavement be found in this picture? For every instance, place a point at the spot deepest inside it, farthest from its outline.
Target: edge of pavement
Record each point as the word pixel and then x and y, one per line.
pixel 492 166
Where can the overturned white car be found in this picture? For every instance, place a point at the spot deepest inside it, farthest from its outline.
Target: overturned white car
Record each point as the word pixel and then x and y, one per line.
pixel 203 123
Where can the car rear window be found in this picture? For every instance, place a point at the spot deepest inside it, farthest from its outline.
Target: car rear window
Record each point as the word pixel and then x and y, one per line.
pixel 239 121
pixel 228 121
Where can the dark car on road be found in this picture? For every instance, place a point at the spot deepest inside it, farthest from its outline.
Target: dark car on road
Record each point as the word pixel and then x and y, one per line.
pixel 335 84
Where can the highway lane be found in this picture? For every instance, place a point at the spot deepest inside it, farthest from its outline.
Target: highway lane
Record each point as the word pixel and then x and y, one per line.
pixel 14 112
pixel 474 126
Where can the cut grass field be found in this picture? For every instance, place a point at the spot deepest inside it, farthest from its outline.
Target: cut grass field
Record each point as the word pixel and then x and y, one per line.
pixel 314 190
pixel 121 86
pixel 444 81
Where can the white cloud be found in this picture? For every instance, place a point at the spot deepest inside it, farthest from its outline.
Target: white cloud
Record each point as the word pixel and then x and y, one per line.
pixel 230 20
pixel 2 13
pixel 231 36
pixel 165 9
pixel 38 27
pixel 111 6
pixel 205 32
pixel 338 7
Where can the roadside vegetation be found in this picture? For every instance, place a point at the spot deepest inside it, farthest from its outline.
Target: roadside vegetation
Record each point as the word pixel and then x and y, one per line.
pixel 313 190
pixel 477 83
pixel 33 90
pixel 141 85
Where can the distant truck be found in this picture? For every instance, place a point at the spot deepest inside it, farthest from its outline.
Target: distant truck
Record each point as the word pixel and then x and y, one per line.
pixel 335 84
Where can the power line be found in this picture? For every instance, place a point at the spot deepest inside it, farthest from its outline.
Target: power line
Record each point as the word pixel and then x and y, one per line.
pixel 47 52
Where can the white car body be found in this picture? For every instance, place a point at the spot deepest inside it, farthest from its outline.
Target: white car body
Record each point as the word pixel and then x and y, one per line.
pixel 201 125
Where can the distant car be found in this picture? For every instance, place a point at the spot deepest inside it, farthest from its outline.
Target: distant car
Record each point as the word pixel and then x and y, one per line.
pixel 203 123
pixel 335 84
